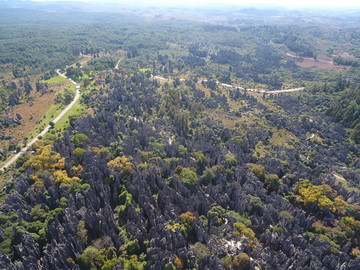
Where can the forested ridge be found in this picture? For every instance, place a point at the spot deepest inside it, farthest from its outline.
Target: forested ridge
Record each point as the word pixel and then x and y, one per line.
pixel 184 172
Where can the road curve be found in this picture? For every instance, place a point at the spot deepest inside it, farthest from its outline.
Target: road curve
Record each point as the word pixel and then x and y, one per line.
pixel 42 133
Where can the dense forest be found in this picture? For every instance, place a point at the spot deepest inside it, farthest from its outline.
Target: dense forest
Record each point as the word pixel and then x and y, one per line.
pixel 175 161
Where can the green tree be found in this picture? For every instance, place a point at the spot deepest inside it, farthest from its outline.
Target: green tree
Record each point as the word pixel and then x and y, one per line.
pixel 272 181
pixel 79 139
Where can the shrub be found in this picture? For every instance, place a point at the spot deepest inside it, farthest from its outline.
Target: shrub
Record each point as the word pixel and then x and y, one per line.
pixel 241 229
pixel 200 161
pixel 323 195
pixel 63 202
pixel 208 176
pixel 259 171
pixel 121 164
pixel 230 161
pixel 187 218
pixel 201 251
pixel 61 176
pixel 227 262
pixel 82 231
pixel 79 154
pixel 188 177
pixel 79 139
pixel 179 263
pixel 215 215
pixel 272 181
pixel 255 201
pixel 241 261
pixel 287 215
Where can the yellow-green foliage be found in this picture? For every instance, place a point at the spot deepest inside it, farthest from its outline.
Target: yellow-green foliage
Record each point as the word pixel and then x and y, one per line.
pixel 282 137
pixel 44 159
pixel 61 176
pixel 134 262
pixel 287 215
pixel 323 195
pixel 201 251
pixel 121 164
pixel 241 229
pixel 350 225
pixel 79 153
pixel 227 262
pixel 216 215
pixel 93 258
pixel 208 175
pixel 79 139
pixel 173 226
pixel 101 151
pixel 230 161
pixel 46 162
pixel 82 232
pixel 200 161
pixel 187 219
pixel 125 201
pixel 241 261
pixel 187 176
pixel 258 170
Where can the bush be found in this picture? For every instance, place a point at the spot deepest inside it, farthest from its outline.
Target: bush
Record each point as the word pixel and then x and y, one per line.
pixel 230 161
pixel 79 154
pixel 241 229
pixel 208 176
pixel 215 215
pixel 287 215
pixel 63 202
pixel 272 182
pixel 259 171
pixel 200 162
pixel 79 139
pixel 241 261
pixel 188 177
pixel 255 201
pixel 187 218
pixel 201 251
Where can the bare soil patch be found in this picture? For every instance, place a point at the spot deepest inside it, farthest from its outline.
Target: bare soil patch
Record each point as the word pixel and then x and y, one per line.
pixel 322 61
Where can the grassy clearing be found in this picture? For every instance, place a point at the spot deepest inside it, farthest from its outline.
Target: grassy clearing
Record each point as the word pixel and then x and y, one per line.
pixel 76 110
pixel 56 79
pixel 282 137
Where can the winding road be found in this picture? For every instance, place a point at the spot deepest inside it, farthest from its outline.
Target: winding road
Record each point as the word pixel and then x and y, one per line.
pixel 242 88
pixel 77 96
pixel 42 133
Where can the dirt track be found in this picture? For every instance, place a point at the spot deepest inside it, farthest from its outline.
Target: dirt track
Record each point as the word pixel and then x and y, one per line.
pixel 42 133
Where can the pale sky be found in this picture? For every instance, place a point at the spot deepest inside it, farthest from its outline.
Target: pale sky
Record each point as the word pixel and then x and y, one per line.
pixel 286 3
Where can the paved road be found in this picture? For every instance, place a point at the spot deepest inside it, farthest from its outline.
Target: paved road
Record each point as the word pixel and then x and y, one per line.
pixel 118 63
pixel 42 133
pixel 239 87
pixel 264 91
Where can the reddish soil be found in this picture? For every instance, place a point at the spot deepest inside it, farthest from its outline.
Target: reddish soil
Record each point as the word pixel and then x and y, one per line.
pixel 40 105
pixel 322 62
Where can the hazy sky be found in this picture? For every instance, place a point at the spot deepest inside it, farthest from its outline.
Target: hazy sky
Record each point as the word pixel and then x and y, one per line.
pixel 288 3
